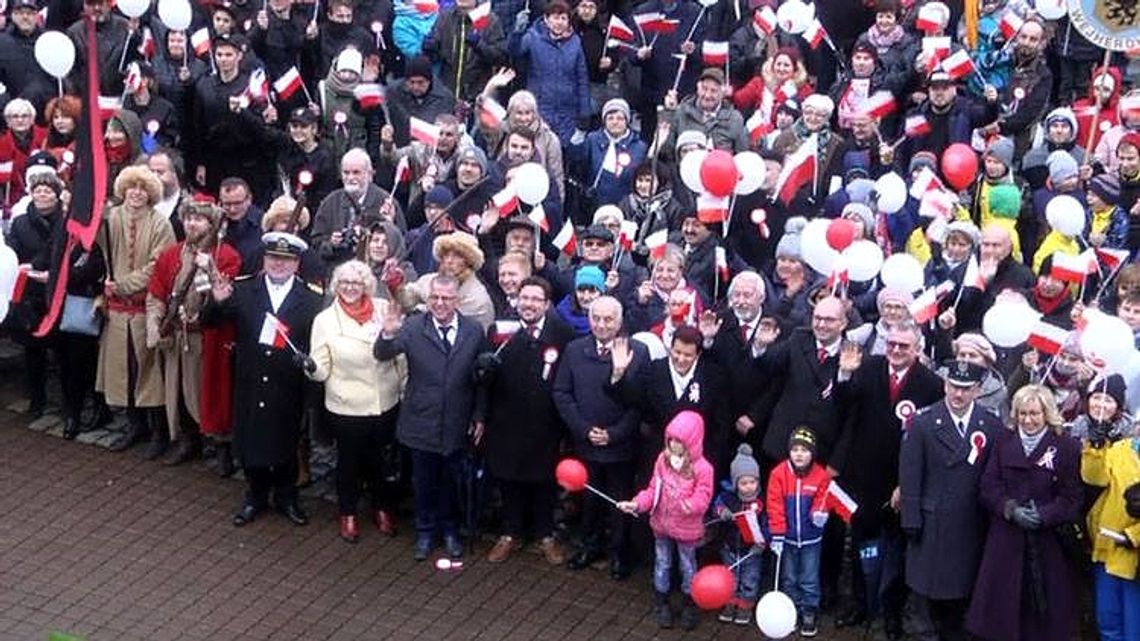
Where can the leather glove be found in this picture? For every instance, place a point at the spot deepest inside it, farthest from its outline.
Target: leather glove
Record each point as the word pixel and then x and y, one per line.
pixel 305 362
pixel 486 364
pixel 819 519
pixel 777 546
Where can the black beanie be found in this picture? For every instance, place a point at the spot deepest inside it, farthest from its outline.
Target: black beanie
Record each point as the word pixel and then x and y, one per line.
pixel 418 66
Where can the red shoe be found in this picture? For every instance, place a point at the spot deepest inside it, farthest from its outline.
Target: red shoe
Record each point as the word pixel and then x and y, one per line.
pixel 348 529
pixel 385 522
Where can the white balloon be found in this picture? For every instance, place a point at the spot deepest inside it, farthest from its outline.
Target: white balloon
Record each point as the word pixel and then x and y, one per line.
pixel 1008 324
pixel 793 16
pixel 1106 342
pixel 891 190
pixel 752 171
pixel 133 8
pixel 1066 215
pixel 864 259
pixel 691 169
pixel 531 182
pixel 55 53
pixel 818 255
pixel 902 272
pixel 707 3
pixel 175 14
pixel 9 269
pixel 776 615
pixel 1051 9
pixel 652 343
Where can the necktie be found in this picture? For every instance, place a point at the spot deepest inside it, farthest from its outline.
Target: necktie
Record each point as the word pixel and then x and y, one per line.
pixel 603 351
pixel 822 356
pixel 744 334
pixel 533 329
pixel 961 425
pixel 443 334
pixel 894 386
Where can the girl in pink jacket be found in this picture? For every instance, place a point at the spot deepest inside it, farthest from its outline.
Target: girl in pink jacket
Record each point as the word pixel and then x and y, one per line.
pixel 677 498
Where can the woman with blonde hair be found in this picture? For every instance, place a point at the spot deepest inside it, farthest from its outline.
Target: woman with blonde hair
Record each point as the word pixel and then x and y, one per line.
pixel 1031 488
pixel 362 396
pixel 522 112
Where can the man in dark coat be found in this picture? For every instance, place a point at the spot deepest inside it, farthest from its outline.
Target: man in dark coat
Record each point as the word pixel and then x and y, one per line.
pixel 117 40
pixel 419 94
pixel 278 35
pixel 467 54
pixel 521 454
pixel 883 392
pixel 19 72
pixel 604 430
pixel 952 118
pixel 658 64
pixel 272 316
pixel 945 448
pixel 441 409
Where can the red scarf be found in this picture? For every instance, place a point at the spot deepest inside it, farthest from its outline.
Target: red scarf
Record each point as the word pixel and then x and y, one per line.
pixel 1047 305
pixel 118 154
pixel 361 311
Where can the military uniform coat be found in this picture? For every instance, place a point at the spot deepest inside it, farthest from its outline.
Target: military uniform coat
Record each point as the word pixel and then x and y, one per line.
pixel 1049 476
pixel 268 387
pixel 939 490
pixel 523 425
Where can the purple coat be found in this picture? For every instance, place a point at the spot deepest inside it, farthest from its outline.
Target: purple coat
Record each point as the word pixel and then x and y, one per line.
pixel 1000 609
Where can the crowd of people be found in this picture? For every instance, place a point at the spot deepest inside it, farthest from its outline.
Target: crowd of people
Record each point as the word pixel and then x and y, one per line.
pixel 314 223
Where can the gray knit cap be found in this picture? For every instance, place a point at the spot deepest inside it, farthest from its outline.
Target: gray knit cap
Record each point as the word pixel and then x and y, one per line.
pixel 743 464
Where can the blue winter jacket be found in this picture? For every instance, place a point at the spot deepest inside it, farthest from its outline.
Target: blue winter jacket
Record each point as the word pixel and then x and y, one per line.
pixel 630 150
pixel 556 75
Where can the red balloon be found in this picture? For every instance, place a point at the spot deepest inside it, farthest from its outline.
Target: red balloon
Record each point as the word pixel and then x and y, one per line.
pixel 718 173
pixel 959 165
pixel 841 233
pixel 713 587
pixel 571 475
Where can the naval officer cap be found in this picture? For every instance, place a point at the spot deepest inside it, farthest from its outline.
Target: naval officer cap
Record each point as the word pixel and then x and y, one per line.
pixel 279 243
pixel 963 374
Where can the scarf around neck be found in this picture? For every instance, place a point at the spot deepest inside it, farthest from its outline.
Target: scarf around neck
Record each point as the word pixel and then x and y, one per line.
pixel 361 311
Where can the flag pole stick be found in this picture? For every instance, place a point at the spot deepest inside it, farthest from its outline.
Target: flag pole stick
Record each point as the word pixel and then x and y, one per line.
pixel 693 29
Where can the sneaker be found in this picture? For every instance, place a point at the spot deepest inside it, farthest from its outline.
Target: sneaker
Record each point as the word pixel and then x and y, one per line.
pixel 552 551
pixel 502 549
pixel 808 626
pixel 743 614
pixel 727 614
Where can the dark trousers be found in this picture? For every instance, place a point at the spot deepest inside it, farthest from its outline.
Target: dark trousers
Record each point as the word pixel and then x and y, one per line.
pixel 521 500
pixel 35 368
pixel 435 482
pixel 281 479
pixel 616 480
pixel 77 370
pixel 949 618
pixel 360 445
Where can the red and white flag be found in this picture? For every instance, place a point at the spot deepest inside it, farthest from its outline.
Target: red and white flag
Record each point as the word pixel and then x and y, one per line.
pixel 288 84
pixel 274 333
pixel 1070 268
pixel 147 46
pixel 879 105
pixel 258 87
pixel 1047 338
pixel 370 95
pixel 748 522
pixel 506 201
pixel 917 125
pixel 620 30
pixel 721 263
pixel 423 131
pixel 958 65
pixel 655 22
pixel 926 181
pixel 1010 24
pixel 6 169
pixel 1111 258
pixel 403 171
pixel 714 54
pixel 925 307
pixel 426 7
pixel 973 276
pixel 627 234
pixel 927 23
pixel 200 41
pixel 840 502
pixel 19 286
pixel 765 20
pixel 503 330
pixel 799 170
pixel 537 216
pixel 712 209
pixel 656 243
pixel 938 45
pixel 491 113
pixel 109 106
pixel 815 33
pixel 134 80
pixel 758 126
pixel 566 241
pixel 480 16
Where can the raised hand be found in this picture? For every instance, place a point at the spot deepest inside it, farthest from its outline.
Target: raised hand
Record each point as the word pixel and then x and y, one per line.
pixel 621 354
pixel 850 357
pixel 709 324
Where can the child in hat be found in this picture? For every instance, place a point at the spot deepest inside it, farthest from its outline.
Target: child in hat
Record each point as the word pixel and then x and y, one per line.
pixel 1107 220
pixel 797 512
pixel 677 497
pixel 743 505
pixel 1105 418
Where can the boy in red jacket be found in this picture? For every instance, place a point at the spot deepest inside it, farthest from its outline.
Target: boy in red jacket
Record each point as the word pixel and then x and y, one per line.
pixel 797 490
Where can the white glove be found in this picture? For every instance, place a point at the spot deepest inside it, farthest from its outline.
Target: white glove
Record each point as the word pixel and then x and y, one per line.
pixel 777 546
pixel 819 519
pixel 578 138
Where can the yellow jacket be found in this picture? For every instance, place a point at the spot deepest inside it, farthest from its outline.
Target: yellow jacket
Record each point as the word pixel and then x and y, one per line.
pixel 1115 468
pixel 356 384
pixel 1054 242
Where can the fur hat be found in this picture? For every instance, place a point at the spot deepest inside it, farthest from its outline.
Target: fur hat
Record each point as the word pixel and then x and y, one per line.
pixel 280 211
pixel 138 175
pixel 206 208
pixel 463 244
pixel 743 464
pixel 789 245
pixel 48 178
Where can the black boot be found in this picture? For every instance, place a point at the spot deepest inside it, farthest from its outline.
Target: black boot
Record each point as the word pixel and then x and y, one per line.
pixel 103 417
pixel 137 431
pixel 159 441
pixel 182 451
pixel 690 616
pixel 225 458
pixel 72 427
pixel 661 611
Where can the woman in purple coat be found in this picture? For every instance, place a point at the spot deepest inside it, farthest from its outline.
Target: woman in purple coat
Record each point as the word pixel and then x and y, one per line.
pixel 1030 487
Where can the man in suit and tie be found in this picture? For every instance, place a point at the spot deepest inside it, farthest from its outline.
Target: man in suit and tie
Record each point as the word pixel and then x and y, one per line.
pixel 272 317
pixel 882 392
pixel 441 408
pixel 603 428
pixel 944 450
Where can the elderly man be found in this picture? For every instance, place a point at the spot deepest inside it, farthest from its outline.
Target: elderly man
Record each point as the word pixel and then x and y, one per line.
pixel 998 266
pixel 344 214
pixel 440 409
pixel 709 113
pixel 603 428
pixel 129 372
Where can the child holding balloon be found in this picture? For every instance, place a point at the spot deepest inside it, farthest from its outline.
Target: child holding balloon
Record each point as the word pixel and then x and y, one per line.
pixel 743 505
pixel 678 494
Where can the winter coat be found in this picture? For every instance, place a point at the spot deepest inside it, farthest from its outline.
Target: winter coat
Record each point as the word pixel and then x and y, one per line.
pixel 1030 84
pixel 1033 167
pixel 1086 109
pixel 610 187
pixel 466 57
pixel 1112 222
pixel 955 125
pixel 17 154
pixel 658 71
pixel 112 37
pixel 791 501
pixel 19 72
pixel 1016 563
pixel 344 124
pixel 677 502
pixel 279 46
pixel 410 28
pixel 1115 468
pixel 402 105
pixel 30 238
pixel 556 75
pixel 725 129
